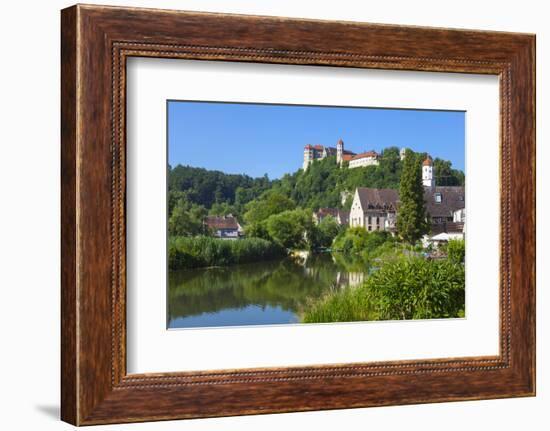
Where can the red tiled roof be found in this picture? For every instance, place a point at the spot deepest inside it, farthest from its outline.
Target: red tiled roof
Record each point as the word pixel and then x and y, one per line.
pixel 224 222
pixel 377 198
pixel 372 154
pixel 319 147
pixel 347 157
pixel 323 212
pixel 427 162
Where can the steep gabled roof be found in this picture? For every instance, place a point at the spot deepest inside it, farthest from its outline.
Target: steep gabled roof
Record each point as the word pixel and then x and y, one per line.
pixel 371 154
pixel 221 222
pixel 452 199
pixel 377 198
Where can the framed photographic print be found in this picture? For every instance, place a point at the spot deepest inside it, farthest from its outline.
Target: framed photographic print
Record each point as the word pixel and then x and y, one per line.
pixel 265 215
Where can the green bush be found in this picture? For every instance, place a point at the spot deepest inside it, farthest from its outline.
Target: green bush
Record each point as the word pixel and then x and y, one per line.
pixel 358 241
pixel 456 250
pixel 324 233
pixel 289 228
pixel 410 288
pixel 203 251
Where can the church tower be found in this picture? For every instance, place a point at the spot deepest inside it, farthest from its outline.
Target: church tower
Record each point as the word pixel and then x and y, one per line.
pixel 340 152
pixel 428 179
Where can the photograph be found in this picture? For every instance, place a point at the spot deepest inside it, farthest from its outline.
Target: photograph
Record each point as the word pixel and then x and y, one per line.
pixel 298 214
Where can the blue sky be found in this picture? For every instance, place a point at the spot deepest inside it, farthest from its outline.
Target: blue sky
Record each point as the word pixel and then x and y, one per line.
pixel 258 139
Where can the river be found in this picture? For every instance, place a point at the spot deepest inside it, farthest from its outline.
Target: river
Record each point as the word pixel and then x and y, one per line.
pixel 262 293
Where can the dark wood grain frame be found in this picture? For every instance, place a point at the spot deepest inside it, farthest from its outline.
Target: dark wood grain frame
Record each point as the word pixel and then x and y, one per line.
pixel 95 43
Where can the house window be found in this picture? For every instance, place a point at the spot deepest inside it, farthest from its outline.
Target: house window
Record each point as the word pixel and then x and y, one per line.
pixel 369 220
pixel 438 198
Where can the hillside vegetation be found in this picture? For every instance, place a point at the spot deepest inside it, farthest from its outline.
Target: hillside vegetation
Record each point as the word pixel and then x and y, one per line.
pixel 321 185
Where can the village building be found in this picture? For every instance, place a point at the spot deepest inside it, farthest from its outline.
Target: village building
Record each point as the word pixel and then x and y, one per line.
pixel 368 158
pixel 374 209
pixel 224 227
pixel 341 216
pixel 377 209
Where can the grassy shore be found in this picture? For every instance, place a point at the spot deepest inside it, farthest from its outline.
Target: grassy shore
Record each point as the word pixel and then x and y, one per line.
pixel 204 251
pixel 409 288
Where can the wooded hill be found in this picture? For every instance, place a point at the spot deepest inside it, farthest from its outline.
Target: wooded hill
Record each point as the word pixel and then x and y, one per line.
pixel 321 185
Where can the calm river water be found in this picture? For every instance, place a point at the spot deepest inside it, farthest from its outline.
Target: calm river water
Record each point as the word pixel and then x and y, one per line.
pixel 261 293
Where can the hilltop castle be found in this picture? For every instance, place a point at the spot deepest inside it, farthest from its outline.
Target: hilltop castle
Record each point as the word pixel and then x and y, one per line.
pixel 368 158
pixel 319 152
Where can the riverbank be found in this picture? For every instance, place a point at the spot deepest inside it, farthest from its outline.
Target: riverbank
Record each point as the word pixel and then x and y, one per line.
pixel 408 288
pixel 204 251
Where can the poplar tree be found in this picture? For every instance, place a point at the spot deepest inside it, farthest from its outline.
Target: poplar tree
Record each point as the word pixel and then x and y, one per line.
pixel 411 217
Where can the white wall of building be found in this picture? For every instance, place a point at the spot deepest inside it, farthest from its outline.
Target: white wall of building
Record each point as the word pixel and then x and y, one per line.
pixel 363 161
pixel 356 215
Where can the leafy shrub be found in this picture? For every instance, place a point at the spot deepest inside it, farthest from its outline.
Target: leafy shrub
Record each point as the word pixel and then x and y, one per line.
pixel 359 241
pixel 456 250
pixel 410 288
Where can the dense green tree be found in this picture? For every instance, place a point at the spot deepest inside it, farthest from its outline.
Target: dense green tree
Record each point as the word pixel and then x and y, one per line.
pixel 325 232
pixel 186 219
pixel 207 187
pixel 290 228
pixel 270 203
pixel 223 209
pixel 445 175
pixel 411 218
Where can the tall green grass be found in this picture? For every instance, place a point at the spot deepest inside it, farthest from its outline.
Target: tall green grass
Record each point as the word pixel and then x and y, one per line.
pixel 410 288
pixel 204 251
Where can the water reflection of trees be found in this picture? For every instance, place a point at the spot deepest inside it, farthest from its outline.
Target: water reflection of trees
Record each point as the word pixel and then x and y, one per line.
pixel 287 284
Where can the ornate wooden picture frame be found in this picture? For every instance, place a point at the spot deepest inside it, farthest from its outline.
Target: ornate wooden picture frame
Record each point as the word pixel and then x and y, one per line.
pixel 96 41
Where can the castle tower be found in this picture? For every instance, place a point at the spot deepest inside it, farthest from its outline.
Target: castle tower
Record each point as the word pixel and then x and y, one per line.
pixel 308 156
pixel 402 153
pixel 340 152
pixel 428 179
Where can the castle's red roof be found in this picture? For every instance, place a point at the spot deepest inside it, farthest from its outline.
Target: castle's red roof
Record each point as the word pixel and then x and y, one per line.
pixel 371 154
pixel 427 162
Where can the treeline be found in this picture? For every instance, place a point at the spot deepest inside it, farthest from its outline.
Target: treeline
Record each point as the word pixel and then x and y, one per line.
pixel 204 187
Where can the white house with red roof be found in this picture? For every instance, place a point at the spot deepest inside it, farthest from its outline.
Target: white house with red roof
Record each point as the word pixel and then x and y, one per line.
pixel 224 227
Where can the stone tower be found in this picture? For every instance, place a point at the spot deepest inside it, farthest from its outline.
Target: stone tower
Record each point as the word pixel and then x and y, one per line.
pixel 340 152
pixel 308 156
pixel 428 179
